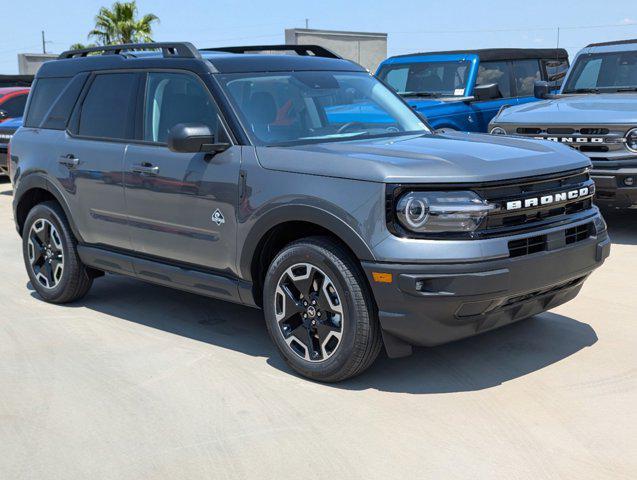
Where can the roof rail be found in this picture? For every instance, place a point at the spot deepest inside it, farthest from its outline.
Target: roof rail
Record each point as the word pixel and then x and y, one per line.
pixel 617 42
pixel 303 50
pixel 169 49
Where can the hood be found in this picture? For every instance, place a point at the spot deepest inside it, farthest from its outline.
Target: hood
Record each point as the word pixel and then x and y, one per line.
pixel 431 158
pixel 603 108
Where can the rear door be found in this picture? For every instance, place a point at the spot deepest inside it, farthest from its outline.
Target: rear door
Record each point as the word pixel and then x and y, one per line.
pixel 182 206
pixel 498 72
pixel 93 156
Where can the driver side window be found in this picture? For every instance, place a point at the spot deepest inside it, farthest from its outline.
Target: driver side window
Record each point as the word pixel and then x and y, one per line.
pixel 173 98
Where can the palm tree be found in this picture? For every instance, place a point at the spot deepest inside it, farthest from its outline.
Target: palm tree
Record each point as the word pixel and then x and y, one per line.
pixel 120 24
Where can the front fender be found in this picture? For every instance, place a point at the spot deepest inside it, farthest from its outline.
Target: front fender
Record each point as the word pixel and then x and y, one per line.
pixel 307 213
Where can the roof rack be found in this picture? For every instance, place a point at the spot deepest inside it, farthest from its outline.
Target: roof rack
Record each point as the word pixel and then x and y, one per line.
pixel 169 49
pixel 617 42
pixel 302 50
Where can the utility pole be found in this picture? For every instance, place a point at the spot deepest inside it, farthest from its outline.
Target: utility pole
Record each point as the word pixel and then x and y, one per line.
pixel 43 43
pixel 307 23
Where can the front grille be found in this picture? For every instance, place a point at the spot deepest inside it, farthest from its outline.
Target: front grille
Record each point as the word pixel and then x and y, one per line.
pixel 588 140
pixel 538 293
pixel 503 221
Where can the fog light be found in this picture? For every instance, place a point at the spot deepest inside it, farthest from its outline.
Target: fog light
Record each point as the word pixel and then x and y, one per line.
pixel 629 181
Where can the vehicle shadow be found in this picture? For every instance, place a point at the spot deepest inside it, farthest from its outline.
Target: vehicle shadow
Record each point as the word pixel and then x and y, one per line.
pixel 622 225
pixel 477 363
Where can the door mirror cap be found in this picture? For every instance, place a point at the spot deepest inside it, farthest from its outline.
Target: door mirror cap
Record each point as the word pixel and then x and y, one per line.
pixel 193 138
pixel 488 91
pixel 541 89
pixel 4 114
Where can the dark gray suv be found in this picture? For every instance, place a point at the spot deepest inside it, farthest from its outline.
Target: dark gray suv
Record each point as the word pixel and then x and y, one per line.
pixel 300 184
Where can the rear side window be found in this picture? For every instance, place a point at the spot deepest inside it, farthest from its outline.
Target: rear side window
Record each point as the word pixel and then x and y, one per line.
pixel 495 72
pixel 108 110
pixel 526 72
pixel 45 92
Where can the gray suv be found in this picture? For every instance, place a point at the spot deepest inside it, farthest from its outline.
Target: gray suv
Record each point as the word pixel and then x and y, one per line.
pixel 296 183
pixel 595 113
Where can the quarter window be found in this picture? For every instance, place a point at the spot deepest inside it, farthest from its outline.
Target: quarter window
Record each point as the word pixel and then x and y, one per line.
pixel 495 72
pixel 173 98
pixel 45 92
pixel 108 111
pixel 526 72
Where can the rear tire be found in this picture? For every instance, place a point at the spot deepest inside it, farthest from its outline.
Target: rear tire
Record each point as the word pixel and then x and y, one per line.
pixel 319 311
pixel 50 255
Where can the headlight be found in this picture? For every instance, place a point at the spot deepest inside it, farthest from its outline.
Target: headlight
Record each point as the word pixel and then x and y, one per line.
pixel 437 212
pixel 498 131
pixel 631 140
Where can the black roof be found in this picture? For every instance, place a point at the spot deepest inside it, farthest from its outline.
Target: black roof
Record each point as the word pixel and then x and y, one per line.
pixel 617 42
pixel 183 55
pixel 487 54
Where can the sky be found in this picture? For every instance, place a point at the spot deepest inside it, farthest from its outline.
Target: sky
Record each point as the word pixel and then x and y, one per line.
pixel 426 25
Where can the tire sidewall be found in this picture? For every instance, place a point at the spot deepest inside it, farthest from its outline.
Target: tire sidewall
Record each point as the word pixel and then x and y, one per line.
pixel 45 212
pixel 307 253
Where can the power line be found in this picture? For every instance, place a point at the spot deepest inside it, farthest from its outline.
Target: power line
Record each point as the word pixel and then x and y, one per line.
pixel 495 30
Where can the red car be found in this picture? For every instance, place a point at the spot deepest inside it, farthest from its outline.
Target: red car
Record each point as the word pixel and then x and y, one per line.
pixel 12 102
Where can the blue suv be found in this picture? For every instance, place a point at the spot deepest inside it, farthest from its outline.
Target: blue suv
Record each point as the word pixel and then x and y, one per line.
pixel 464 90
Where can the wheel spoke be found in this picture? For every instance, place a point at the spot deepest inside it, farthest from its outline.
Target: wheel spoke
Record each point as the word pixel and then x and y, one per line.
pixel 292 305
pixel 45 253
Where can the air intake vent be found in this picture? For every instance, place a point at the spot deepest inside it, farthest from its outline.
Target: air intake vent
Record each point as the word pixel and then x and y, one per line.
pixel 560 131
pixel 594 131
pixel 529 131
pixel 527 246
pixel 578 234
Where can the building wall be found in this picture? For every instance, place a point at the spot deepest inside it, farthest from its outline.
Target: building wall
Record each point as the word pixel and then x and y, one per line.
pixel 366 49
pixel 29 63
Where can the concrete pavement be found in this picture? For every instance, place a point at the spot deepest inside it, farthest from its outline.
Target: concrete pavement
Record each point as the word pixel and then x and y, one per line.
pixel 139 381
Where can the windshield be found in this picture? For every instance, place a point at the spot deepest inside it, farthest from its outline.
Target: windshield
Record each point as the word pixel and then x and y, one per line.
pixel 603 72
pixel 301 107
pixel 436 79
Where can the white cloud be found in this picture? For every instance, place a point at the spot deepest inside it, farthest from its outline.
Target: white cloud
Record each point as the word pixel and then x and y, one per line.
pixel 628 21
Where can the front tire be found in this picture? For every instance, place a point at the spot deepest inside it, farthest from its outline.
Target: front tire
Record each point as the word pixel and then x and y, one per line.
pixel 319 311
pixel 50 256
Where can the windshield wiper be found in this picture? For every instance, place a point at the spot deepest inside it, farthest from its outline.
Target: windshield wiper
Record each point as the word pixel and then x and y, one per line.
pixel 627 89
pixel 419 94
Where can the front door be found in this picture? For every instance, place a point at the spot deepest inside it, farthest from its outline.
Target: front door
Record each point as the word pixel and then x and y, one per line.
pixel 181 206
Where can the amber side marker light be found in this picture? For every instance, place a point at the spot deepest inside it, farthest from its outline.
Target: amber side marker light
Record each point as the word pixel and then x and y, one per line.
pixel 382 277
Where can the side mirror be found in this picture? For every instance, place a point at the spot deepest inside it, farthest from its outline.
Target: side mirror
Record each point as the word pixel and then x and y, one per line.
pixel 541 89
pixel 193 138
pixel 489 91
pixel 4 114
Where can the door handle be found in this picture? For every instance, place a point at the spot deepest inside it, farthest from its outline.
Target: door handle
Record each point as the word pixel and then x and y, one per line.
pixel 69 161
pixel 146 169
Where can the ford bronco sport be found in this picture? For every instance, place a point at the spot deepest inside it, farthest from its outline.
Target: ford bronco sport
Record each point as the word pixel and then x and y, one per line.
pixel 221 172
pixel 595 112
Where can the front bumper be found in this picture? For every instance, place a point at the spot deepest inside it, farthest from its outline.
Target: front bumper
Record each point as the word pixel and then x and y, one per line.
pixel 437 303
pixel 610 183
